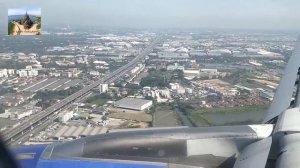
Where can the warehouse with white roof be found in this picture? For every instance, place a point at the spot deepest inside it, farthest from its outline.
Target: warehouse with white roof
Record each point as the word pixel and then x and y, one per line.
pixel 133 104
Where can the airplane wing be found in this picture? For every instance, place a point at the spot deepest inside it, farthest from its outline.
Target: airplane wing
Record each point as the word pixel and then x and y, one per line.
pixel 281 150
pixel 288 83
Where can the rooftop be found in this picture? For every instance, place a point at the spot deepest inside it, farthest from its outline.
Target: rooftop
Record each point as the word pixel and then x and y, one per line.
pixel 131 102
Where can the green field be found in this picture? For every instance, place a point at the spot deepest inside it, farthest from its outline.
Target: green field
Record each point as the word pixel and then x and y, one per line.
pixel 165 116
pixel 227 116
pixel 99 100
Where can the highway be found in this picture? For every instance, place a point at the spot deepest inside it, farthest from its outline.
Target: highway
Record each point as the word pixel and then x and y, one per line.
pixel 25 127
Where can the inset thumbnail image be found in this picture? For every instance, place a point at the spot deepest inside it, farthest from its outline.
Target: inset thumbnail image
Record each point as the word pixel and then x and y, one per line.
pixel 24 21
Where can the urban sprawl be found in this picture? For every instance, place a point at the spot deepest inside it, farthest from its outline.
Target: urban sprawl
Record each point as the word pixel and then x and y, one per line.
pixel 191 78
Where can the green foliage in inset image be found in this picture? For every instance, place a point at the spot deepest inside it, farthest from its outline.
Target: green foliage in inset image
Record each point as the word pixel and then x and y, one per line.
pixel 39 22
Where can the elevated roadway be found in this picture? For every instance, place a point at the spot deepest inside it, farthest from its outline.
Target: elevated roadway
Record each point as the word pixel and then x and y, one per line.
pixel 24 128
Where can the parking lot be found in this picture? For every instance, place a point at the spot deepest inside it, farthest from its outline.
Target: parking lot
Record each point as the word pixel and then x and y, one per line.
pixel 52 84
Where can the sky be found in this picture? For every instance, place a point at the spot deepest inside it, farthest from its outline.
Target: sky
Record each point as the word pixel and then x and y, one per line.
pixel 232 14
pixel 22 11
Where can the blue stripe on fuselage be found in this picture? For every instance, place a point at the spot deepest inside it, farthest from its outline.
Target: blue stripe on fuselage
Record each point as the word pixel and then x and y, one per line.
pixel 93 164
pixel 35 151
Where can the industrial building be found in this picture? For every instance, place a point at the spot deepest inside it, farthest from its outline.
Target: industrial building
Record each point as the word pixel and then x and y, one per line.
pixel 172 56
pixel 192 72
pixel 103 88
pixel 65 116
pixel 212 71
pixel 175 67
pixel 133 104
pixel 17 113
pixel 268 94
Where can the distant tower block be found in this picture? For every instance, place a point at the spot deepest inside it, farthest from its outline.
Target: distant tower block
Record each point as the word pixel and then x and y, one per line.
pixel 103 88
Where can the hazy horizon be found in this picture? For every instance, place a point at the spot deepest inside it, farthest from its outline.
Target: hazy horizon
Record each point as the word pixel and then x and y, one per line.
pixel 214 14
